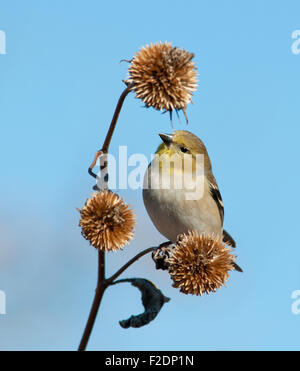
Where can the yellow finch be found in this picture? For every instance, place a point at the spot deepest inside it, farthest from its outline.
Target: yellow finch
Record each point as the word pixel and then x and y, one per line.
pixel 171 208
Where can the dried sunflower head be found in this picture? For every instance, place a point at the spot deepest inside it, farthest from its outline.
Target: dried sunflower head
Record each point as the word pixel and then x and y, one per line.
pixel 106 221
pixel 163 76
pixel 200 263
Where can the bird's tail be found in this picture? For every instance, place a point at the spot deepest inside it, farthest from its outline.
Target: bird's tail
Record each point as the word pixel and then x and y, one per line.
pixel 228 239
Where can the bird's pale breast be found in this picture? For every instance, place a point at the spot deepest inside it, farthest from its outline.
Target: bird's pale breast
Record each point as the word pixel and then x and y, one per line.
pixel 172 213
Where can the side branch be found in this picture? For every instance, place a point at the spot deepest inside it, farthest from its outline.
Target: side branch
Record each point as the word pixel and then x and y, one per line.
pixel 110 280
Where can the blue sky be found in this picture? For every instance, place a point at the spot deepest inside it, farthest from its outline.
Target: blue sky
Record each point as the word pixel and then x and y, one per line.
pixel 59 82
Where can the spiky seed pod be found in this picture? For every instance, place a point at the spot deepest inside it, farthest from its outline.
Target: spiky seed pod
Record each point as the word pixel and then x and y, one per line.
pixel 106 221
pixel 200 263
pixel 163 76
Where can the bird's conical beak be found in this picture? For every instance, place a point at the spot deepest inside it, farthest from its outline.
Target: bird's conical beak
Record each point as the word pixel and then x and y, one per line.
pixel 167 138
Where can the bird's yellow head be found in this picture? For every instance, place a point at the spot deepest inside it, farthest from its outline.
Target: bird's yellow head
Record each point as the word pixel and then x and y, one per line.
pixel 182 142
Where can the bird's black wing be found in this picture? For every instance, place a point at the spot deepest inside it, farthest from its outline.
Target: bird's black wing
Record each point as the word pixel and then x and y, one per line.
pixel 216 195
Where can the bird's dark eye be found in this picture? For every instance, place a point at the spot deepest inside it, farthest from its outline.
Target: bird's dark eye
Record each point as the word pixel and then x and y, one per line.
pixel 183 149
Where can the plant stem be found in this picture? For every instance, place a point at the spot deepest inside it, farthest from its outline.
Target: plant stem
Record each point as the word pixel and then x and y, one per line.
pixel 101 286
pixel 101 282
pixel 131 261
pixel 114 120
pixel 110 132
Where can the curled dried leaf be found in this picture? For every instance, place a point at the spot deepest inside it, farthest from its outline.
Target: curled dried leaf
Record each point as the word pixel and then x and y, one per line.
pixel 152 299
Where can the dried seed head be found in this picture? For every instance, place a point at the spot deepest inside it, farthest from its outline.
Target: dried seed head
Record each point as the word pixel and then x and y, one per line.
pixel 163 76
pixel 200 263
pixel 106 221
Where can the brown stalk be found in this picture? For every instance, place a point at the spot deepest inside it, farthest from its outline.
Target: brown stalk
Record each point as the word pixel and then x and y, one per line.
pixel 110 280
pixel 102 283
pixel 101 286
pixel 110 132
